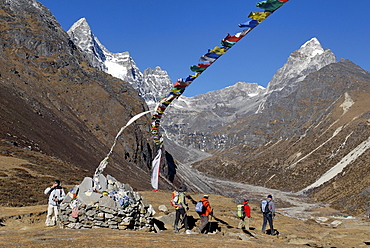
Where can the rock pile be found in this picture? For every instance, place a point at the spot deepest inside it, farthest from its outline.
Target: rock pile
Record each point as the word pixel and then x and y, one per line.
pixel 106 203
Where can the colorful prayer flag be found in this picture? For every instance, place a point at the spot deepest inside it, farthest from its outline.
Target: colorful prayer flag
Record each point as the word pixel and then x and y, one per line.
pixel 156 166
pixel 249 24
pixel 219 50
pixel 205 58
pixel 259 16
pixel 270 5
pixel 234 38
pixel 197 68
pixel 226 43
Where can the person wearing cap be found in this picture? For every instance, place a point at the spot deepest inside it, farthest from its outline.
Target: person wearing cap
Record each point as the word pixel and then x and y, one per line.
pixel 181 207
pixel 245 220
pixel 56 196
pixel 268 215
pixel 207 212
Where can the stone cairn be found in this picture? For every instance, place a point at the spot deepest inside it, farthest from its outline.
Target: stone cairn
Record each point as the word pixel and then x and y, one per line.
pixel 106 203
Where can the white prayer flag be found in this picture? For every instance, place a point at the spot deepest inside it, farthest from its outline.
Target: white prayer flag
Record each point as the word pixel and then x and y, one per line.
pixel 156 168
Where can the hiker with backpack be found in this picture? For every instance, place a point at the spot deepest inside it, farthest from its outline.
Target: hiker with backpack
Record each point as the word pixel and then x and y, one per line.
pixel 56 196
pixel 244 213
pixel 204 212
pixel 268 211
pixel 179 202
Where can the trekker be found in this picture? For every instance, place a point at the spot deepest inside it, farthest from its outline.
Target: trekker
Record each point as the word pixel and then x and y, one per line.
pixel 56 196
pixel 268 210
pixel 245 220
pixel 204 215
pixel 179 202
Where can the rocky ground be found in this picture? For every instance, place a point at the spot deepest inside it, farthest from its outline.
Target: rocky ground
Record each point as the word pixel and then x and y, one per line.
pixel 24 227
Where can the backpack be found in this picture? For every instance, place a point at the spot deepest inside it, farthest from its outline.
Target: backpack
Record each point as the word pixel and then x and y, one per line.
pixel 199 208
pixel 265 208
pixel 240 210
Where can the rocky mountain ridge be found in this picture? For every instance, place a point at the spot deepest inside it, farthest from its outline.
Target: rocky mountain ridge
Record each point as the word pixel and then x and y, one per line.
pixel 310 57
pixel 310 136
pixel 151 85
pixel 188 120
pixel 317 130
pixel 198 121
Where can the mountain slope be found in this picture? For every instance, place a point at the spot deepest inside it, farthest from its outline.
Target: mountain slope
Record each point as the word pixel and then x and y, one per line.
pixel 53 101
pixel 199 122
pixel 304 135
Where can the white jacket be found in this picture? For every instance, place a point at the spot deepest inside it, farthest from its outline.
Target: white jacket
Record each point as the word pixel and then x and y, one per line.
pixel 55 193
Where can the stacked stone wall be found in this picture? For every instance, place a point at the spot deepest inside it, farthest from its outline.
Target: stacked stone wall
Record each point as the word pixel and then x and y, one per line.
pixel 105 203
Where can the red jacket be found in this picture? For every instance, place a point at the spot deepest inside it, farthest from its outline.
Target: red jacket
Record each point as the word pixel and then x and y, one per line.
pixel 247 209
pixel 207 206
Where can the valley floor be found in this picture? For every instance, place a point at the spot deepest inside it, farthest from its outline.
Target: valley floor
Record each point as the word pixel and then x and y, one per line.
pixel 24 227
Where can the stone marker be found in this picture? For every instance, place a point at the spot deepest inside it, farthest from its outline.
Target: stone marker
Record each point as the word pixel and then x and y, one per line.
pixel 106 204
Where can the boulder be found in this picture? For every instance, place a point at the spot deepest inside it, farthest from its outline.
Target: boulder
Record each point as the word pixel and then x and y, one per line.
pixel 335 223
pixel 163 208
pixel 108 202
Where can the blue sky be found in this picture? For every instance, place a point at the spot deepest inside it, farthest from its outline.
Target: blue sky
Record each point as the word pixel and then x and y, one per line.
pixel 174 34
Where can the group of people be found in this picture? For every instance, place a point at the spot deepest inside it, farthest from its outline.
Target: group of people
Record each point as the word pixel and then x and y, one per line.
pixel 268 211
pixel 178 200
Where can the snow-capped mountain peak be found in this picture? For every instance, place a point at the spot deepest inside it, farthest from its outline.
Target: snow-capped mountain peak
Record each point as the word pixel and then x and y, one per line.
pixel 150 85
pixel 81 24
pixel 81 34
pixel 308 58
pixel 311 48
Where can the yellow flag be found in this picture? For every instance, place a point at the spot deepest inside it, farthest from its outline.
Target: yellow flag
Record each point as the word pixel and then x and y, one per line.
pixel 259 16
pixel 196 75
pixel 218 50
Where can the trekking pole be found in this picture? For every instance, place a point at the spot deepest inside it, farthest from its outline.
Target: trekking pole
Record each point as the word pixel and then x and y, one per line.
pixel 209 227
pixel 183 218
